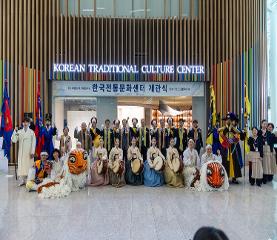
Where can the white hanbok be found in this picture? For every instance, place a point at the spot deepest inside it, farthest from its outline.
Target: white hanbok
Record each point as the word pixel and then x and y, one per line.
pixel 191 164
pixel 27 146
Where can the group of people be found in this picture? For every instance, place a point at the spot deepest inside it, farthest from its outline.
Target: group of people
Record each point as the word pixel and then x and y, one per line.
pixel 120 155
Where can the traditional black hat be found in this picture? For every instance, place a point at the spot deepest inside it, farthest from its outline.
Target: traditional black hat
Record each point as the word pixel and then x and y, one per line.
pixel 28 115
pixel 48 116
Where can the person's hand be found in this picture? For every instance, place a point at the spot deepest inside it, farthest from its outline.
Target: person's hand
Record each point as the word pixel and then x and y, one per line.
pixel 218 152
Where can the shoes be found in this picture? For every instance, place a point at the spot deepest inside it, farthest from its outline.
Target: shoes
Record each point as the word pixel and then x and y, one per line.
pixel 235 181
pixel 22 183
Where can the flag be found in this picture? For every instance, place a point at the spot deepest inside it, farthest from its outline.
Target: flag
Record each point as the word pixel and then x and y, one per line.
pixel 38 127
pixel 212 106
pixel 6 122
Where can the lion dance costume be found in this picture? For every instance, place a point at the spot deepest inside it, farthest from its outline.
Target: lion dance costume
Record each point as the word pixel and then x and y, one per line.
pixel 73 178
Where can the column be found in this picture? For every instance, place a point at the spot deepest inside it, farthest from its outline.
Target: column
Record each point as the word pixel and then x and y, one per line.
pixel 106 108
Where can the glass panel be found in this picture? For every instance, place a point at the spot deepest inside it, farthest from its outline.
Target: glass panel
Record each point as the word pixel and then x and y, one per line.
pixel 72 7
pixel 196 3
pixel 174 8
pixel 138 8
pixel 104 8
pixel 155 8
pixel 186 8
pixel 123 8
pixel 86 7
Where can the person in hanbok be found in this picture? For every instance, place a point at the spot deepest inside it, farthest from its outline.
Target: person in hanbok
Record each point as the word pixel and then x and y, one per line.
pixel 40 173
pixel 171 132
pixel 116 154
pixel 134 131
pixel 57 165
pixel 255 157
pixel 83 136
pixel 95 133
pixel 65 142
pixel 195 133
pixel 181 137
pixel 153 178
pixel 269 160
pixel 101 155
pixel 209 156
pixel 191 165
pixel 144 139
pixel 133 153
pixel 48 132
pixel 229 138
pixel 124 144
pixel 26 150
pixel 172 178
pixel 108 136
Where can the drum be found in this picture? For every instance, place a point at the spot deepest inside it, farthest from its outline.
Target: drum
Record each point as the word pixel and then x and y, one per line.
pixel 178 165
pixel 158 164
pixel 102 166
pixel 118 167
pixel 137 166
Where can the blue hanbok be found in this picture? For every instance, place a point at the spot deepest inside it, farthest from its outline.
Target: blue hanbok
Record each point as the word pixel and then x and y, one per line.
pixel 153 178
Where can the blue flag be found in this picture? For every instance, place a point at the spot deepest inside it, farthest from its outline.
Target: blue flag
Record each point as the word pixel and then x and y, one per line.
pixel 6 122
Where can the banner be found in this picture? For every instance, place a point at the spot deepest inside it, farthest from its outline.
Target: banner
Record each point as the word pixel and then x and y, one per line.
pixel 105 88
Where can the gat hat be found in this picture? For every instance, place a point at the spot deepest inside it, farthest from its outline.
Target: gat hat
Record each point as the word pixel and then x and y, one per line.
pixel 48 116
pixel 227 117
pixel 44 154
pixel 28 115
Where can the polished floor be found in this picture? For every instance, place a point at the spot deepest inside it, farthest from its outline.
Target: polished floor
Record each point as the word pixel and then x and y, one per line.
pixel 244 212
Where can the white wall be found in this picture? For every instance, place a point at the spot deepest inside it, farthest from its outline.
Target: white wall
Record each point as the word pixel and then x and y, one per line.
pixel 131 112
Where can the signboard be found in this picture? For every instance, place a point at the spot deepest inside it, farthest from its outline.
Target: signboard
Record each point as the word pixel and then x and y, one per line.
pixel 107 88
pixel 133 69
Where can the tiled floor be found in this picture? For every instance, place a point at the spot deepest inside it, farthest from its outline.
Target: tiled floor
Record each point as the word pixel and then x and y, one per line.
pixel 244 212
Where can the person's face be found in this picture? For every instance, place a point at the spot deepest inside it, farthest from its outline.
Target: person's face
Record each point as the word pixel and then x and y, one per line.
pixel 134 142
pixel 195 125
pixel 162 123
pixel 170 122
pixel 264 125
pixel 154 124
pixel 117 143
pixel 172 142
pixel 107 123
pixel 65 131
pixel 93 122
pixel 142 122
pixel 78 146
pixel 181 124
pixel 101 142
pixel 228 122
pixel 48 123
pixel 234 123
pixel 84 126
pixel 209 150
pixel 25 124
pixel 134 122
pixel 117 124
pixel 270 128
pixel 56 155
pixel 191 144
pixel 154 142
pixel 44 157
pixel 124 123
pixel 255 132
